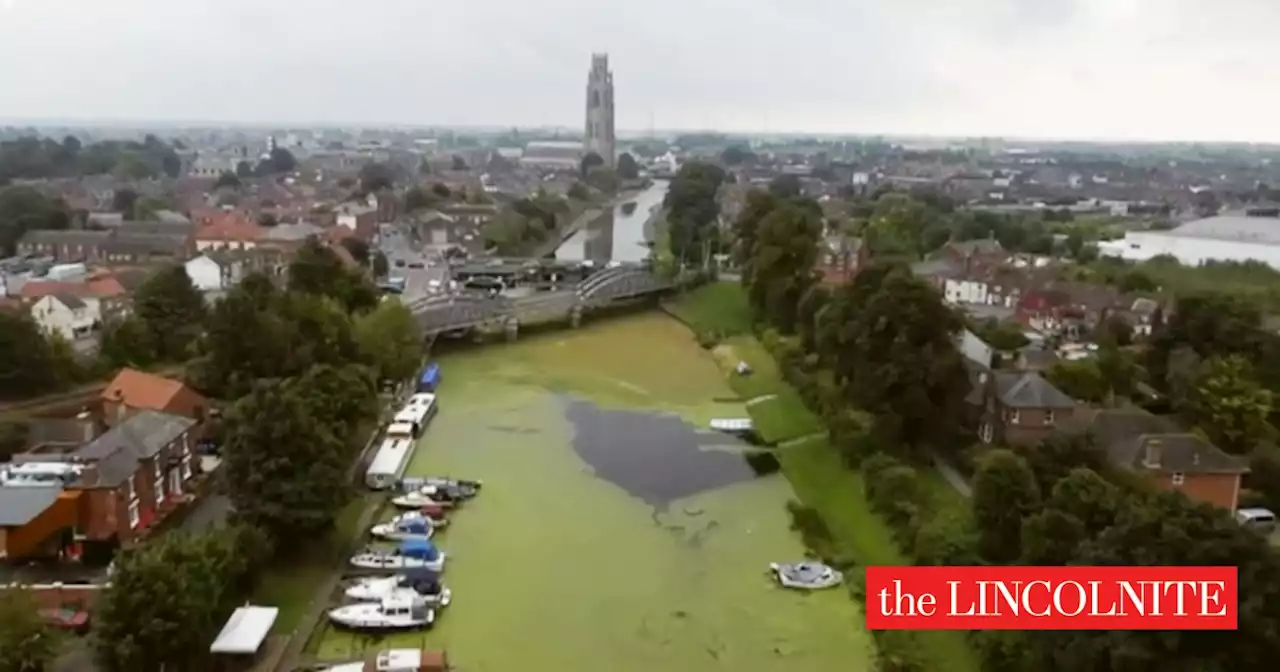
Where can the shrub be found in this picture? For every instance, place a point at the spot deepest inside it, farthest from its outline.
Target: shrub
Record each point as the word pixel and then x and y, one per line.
pixel 900 651
pixel 812 528
pixel 947 538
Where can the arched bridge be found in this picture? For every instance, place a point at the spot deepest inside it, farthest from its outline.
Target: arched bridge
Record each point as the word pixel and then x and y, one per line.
pixel 466 310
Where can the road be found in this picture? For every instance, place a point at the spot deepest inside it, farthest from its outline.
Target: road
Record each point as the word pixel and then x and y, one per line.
pixel 423 267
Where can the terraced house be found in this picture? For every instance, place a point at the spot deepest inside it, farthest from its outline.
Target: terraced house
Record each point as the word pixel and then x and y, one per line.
pixel 87 495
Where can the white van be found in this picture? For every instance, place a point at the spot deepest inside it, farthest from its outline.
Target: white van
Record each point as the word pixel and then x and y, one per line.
pixel 1262 520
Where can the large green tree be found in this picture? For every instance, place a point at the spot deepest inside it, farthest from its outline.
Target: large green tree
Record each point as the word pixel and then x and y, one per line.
pixel 1230 406
pixel 29 364
pixel 693 212
pixel 345 397
pixel 315 269
pixel 173 311
pixel 389 336
pixel 760 202
pixel 284 467
pixel 27 643
pixel 1004 491
pixel 786 248
pixel 168 598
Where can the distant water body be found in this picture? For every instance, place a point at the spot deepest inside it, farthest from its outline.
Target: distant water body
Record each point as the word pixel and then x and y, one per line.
pixel 618 236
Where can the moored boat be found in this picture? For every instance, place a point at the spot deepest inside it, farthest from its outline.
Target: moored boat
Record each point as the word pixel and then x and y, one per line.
pixel 427 495
pixel 399 611
pixel 464 487
pixel 425 583
pixel 806 575
pixel 411 554
pixel 410 525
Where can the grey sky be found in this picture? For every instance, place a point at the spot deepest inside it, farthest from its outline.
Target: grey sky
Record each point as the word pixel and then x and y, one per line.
pixel 1175 69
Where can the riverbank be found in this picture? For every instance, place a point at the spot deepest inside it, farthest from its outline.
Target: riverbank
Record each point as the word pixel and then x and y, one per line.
pixel 611 533
pixel 719 313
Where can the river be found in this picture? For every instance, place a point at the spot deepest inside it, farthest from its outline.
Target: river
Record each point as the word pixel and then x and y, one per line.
pixel 618 236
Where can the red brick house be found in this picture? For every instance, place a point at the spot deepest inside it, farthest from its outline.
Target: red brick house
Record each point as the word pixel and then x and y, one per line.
pixel 106 492
pixel 839 259
pixel 132 391
pixel 1019 407
pixel 1166 457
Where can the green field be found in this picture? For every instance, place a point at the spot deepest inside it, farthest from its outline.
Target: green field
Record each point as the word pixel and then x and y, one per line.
pixel 557 570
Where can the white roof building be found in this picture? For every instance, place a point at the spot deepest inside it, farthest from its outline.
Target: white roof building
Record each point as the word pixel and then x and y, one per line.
pixel 1221 238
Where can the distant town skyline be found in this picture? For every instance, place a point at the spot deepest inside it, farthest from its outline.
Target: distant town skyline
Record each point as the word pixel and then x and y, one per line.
pixel 1172 70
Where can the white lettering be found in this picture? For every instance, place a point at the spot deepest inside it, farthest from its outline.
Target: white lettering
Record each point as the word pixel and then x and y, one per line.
pixel 1010 597
pixel 1026 598
pixel 1211 591
pixel 1181 587
pixel 1057 598
pixel 1095 599
pixel 927 604
pixel 955 600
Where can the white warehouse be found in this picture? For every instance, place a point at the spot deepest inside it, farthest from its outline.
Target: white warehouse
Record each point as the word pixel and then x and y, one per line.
pixel 1220 238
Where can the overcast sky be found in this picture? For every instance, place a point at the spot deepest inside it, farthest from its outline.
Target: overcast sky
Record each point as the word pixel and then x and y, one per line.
pixel 1144 69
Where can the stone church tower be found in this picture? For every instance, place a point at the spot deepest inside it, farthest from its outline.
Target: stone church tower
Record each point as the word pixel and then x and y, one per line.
pixel 599 136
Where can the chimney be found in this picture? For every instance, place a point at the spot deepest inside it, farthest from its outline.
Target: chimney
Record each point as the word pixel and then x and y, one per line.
pixel 1151 456
pixel 88 427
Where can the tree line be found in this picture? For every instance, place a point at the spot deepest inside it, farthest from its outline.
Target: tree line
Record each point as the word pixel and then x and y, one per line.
pixel 876 359
pixel 297 369
pixel 32 157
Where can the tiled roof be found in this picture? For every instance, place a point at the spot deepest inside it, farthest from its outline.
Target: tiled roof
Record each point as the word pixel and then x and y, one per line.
pixel 99 288
pixel 229 226
pixel 138 389
pixel 1126 434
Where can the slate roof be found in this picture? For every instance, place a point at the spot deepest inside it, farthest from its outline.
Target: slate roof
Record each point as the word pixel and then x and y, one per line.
pixel 140 437
pixel 1025 389
pixel 69 300
pixel 1127 434
pixel 19 504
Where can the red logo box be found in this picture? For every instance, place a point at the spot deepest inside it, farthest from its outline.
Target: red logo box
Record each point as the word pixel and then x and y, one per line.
pixel 1051 598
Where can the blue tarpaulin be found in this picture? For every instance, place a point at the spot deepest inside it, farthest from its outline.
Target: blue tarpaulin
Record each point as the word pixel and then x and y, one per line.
pixel 430 378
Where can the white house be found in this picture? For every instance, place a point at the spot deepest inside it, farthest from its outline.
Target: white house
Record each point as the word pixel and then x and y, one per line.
pixel 214 274
pixel 66 315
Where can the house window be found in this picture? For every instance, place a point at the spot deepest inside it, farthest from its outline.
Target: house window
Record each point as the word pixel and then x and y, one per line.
pixel 186 463
pixel 1048 417
pixel 133 514
pixel 986 433
pixel 133 488
pixel 1179 478
pixel 159 479
pixel 1014 417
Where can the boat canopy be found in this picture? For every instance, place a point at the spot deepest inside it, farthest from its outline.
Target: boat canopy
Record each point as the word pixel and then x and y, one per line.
pixel 419 548
pixel 415 524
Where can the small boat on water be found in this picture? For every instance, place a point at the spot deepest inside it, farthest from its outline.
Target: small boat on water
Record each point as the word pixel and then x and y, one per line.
pixel 464 487
pixel 427 495
pixel 806 575
pixel 399 611
pixel 409 525
pixel 628 208
pixel 398 660
pixel 425 583
pixel 411 554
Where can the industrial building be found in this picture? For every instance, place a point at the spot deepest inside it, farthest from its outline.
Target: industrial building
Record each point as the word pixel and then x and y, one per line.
pixel 1220 238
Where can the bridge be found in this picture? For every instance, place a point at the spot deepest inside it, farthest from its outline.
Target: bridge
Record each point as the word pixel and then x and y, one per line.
pixel 468 310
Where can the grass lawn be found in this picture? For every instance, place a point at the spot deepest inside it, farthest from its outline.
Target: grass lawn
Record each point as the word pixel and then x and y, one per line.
pixel 291 586
pixel 718 307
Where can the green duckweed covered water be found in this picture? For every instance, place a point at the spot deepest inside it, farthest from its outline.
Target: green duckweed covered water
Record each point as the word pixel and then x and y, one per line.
pixel 555 569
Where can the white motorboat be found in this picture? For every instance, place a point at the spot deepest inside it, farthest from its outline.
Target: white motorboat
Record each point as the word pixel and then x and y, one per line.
pixel 398 660
pixel 425 584
pixel 406 526
pixel 399 611
pixel 411 554
pixel 806 575
pixel 465 488
pixel 427 495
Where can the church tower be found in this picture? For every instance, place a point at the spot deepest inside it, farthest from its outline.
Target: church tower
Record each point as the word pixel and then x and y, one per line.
pixel 598 135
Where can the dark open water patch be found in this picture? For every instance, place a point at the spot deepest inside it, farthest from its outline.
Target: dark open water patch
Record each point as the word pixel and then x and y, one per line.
pixel 657 458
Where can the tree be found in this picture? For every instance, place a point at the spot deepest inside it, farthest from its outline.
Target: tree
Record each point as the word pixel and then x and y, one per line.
pixel 376 176
pixel 227 180
pixel 358 248
pixel 173 311
pixel 284 467
pixel 785 251
pixel 579 192
pixel 458 163
pixel 693 211
pixel 760 203
pixel 1006 336
pixel 604 179
pixel 380 265
pixel 123 202
pixel 1004 491
pixel 127 343
pixel 1080 379
pixel 590 161
pixel 628 168
pixel 315 269
pixel 28 365
pixel 391 338
pixel 786 186
pixel 416 198
pixel 1081 505
pixel 24 209
pixel 345 396
pixel 169 597
pixel 441 190
pixel 1230 406
pixel 27 643
pixel 244 170
pixel 282 160
pixel 736 155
